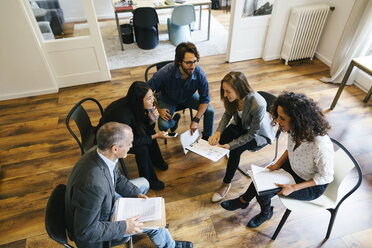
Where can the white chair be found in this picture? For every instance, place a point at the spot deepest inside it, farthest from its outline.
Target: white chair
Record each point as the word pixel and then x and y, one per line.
pixel 332 198
pixel 179 25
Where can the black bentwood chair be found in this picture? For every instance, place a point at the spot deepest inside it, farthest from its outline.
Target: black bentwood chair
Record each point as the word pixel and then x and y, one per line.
pixel 87 131
pixel 55 216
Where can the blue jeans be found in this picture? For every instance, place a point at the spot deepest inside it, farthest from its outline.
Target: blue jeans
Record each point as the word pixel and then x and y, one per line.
pixel 160 237
pixel 192 102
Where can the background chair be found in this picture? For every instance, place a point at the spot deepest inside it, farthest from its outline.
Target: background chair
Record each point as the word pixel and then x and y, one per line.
pixel 332 198
pixel 269 98
pixel 87 131
pixel 158 66
pixel 145 23
pixel 55 216
pixel 46 31
pixel 179 25
pixel 54 15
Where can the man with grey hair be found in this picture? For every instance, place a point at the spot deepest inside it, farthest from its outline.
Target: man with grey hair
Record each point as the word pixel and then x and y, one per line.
pixel 93 187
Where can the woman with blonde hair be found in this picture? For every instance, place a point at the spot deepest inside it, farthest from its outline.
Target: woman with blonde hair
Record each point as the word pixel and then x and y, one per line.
pixel 250 128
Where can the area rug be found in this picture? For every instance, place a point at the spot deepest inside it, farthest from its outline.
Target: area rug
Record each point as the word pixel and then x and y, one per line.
pixel 134 56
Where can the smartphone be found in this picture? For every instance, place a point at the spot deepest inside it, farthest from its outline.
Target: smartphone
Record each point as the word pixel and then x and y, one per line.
pixel 170 134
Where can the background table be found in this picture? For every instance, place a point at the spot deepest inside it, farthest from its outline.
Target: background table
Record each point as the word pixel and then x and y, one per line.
pixel 150 3
pixel 363 63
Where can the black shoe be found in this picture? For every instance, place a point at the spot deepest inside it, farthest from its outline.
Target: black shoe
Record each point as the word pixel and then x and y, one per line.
pixel 260 218
pixel 158 185
pixel 176 118
pixel 234 204
pixel 183 244
pixel 163 166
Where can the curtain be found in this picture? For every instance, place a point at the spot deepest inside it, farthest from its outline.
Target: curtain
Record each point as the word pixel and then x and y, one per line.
pixel 354 42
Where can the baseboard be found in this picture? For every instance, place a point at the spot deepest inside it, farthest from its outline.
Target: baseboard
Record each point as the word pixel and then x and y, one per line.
pixel 323 59
pixel 271 58
pixel 28 94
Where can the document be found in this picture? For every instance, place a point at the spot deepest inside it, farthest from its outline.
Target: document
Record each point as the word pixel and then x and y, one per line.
pixel 265 180
pixel 201 147
pixel 151 211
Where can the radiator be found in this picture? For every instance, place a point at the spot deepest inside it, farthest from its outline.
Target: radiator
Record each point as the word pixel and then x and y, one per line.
pixel 303 32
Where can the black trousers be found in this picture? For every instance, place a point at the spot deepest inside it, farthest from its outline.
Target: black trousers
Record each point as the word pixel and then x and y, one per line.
pixel 146 157
pixel 230 133
pixel 306 194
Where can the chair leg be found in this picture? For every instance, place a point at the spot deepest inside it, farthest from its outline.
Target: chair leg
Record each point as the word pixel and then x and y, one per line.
pixel 242 170
pixel 281 224
pixel 331 221
pixel 123 167
pixel 130 243
pixel 191 113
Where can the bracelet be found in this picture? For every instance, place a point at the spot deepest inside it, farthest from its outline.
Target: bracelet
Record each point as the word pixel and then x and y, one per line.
pixel 196 119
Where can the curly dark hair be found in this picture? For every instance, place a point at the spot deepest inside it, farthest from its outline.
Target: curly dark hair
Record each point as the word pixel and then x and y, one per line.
pixel 182 48
pixel 306 118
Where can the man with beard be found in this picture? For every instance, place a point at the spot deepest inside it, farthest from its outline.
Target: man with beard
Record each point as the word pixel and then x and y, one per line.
pixel 176 85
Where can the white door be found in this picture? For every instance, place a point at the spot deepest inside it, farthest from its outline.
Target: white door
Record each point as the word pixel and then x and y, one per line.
pixel 246 34
pixel 77 60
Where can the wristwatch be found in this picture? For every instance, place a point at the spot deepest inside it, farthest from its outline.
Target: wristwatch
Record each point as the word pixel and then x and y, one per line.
pixel 196 119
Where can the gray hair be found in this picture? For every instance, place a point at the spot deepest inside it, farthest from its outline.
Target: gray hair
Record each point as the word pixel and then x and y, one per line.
pixel 112 133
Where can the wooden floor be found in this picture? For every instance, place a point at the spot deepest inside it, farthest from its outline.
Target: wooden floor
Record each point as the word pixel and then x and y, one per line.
pixel 37 153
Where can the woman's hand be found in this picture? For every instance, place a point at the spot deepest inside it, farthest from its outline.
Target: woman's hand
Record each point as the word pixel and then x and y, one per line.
pixel 214 139
pixel 275 166
pixel 287 189
pixel 226 146
pixel 164 114
pixel 160 135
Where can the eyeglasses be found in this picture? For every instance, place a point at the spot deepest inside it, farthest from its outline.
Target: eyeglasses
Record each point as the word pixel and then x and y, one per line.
pixel 190 63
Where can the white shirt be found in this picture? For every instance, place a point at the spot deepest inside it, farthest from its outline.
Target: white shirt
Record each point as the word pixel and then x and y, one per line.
pixel 312 160
pixel 111 165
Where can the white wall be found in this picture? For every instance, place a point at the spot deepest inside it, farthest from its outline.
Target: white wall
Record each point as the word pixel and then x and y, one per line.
pixel 23 67
pixel 333 29
pixel 73 10
pixel 331 34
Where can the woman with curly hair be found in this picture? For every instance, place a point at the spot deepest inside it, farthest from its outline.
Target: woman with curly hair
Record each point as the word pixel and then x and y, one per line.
pixel 308 158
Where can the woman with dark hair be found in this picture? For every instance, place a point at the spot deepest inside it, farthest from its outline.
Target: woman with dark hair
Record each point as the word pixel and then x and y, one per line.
pixel 137 110
pixel 250 129
pixel 308 158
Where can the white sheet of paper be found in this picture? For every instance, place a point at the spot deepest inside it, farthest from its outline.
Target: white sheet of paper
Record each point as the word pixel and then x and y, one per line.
pixel 203 148
pixel 148 209
pixel 264 179
pixel 187 139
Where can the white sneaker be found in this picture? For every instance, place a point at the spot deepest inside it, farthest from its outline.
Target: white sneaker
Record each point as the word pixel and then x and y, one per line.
pixel 216 197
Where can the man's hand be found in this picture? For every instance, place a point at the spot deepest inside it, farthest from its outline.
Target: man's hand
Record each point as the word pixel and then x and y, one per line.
pixel 214 139
pixel 226 146
pixel 193 127
pixel 164 114
pixel 142 196
pixel 286 189
pixel 133 226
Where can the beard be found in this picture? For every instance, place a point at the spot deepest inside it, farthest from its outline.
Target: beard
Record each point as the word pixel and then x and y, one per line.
pixel 189 72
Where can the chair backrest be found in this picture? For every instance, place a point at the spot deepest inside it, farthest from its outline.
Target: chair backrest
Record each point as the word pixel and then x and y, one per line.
pixel 183 15
pixel 55 216
pixel 344 162
pixel 158 66
pixel 82 120
pixel 269 98
pixel 145 17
